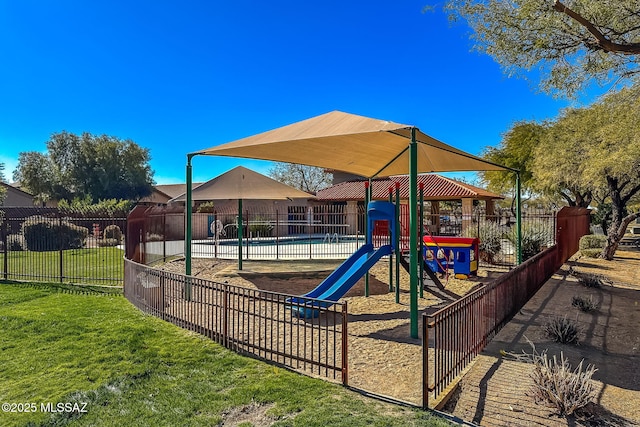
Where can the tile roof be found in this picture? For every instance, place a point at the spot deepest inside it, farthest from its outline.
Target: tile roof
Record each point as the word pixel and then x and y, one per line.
pixel 436 187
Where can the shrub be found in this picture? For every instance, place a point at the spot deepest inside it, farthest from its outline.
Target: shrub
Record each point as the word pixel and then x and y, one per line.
pixel 592 241
pixel 48 234
pixel 591 253
pixel 562 330
pixel 112 232
pixel 15 242
pixel 206 207
pixel 260 226
pixel 555 384
pixel 584 304
pixel 587 279
pixel 534 237
pixel 108 242
pixel 111 208
pixel 490 236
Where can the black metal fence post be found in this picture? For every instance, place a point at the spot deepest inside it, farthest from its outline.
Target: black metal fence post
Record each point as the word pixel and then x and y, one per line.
pixel 5 247
pixel 60 251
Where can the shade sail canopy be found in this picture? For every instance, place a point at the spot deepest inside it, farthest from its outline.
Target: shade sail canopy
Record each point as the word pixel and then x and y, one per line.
pixel 350 143
pixel 243 183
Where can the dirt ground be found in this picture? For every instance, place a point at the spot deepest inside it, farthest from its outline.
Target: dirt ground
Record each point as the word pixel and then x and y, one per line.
pixel 496 390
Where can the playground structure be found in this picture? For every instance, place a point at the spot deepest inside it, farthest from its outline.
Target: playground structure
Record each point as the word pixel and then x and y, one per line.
pixel 445 254
pixel 361 146
pixel 338 283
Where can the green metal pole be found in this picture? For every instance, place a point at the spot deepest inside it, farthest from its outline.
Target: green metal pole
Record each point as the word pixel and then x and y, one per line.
pixel 398 233
pixel 420 244
pixel 413 233
pixel 367 199
pixel 240 226
pixel 518 218
pixel 188 202
pixel 188 228
pixel 393 243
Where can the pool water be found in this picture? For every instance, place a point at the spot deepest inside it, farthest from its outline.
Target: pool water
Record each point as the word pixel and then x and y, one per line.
pixel 286 241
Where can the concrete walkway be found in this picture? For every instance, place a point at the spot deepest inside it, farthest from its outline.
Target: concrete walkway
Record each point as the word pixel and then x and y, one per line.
pixel 496 389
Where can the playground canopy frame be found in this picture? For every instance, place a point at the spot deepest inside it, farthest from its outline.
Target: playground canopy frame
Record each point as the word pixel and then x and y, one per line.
pixel 359 145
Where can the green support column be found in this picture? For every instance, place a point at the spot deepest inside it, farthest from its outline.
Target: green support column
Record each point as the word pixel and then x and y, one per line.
pixel 518 219
pixel 413 233
pixel 188 228
pixel 367 199
pixel 240 227
pixel 187 232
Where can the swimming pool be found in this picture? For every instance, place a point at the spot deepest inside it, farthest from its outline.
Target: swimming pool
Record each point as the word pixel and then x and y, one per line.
pixel 302 240
pixel 290 247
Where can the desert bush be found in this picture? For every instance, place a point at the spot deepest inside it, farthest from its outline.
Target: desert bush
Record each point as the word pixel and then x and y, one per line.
pixel 591 253
pixel 534 237
pixel 562 330
pixel 584 304
pixel 555 384
pixel 588 280
pixel 112 232
pixel 47 234
pixel 205 207
pixel 108 242
pixel 15 242
pixel 490 236
pixel 260 226
pixel 592 241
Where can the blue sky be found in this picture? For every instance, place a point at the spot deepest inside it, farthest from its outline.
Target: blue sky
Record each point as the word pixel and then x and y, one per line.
pixel 177 77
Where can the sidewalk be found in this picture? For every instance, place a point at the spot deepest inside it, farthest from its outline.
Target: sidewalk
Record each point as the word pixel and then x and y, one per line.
pixel 494 390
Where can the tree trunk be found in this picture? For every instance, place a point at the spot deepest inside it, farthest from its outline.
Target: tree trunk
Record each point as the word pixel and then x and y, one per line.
pixel 618 223
pixel 615 235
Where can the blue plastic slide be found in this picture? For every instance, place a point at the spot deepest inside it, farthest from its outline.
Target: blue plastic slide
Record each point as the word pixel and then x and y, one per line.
pixel 340 280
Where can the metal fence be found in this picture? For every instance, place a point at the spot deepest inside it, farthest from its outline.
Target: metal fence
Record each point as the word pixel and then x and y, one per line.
pixel 316 232
pixel 47 244
pixel 459 332
pixel 300 333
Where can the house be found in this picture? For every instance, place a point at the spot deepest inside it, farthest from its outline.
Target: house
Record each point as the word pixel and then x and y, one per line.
pixel 16 197
pixel 161 194
pixel 437 189
pixel 263 200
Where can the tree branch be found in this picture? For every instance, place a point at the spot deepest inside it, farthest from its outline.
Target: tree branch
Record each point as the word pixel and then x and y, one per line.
pixel 631 193
pixel 601 41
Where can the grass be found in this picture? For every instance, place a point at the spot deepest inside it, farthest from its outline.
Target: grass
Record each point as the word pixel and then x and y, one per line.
pixel 88 265
pixel 132 368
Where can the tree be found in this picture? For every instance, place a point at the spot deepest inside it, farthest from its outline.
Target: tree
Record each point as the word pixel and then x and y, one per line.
pixel 614 158
pixel 571 43
pixel 596 149
pixel 515 151
pixel 100 167
pixel 305 178
pixel 558 158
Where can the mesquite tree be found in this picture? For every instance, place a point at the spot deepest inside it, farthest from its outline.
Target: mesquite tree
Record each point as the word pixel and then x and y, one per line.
pixel 570 42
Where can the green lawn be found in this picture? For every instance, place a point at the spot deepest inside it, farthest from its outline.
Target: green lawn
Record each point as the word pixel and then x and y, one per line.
pixel 87 265
pixel 134 369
